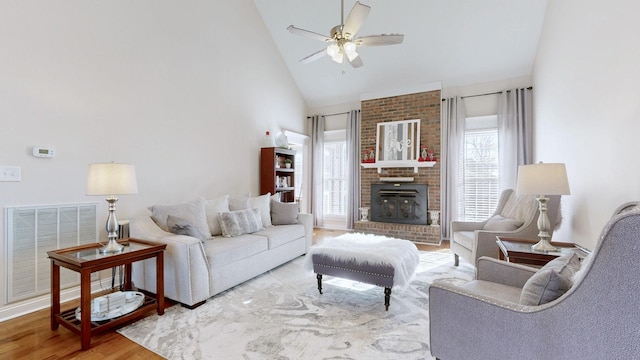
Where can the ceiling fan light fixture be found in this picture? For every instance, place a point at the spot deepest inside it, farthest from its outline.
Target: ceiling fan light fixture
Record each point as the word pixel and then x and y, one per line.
pixel 333 50
pixel 338 57
pixel 352 55
pixel 349 47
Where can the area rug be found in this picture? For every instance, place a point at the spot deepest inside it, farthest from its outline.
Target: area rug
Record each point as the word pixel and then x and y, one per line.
pixel 281 315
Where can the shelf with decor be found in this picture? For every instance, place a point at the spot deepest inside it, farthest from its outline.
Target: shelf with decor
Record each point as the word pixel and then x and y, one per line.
pixel 398 164
pixel 275 175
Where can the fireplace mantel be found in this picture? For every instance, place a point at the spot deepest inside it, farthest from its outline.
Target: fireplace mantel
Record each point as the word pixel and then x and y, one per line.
pixel 398 164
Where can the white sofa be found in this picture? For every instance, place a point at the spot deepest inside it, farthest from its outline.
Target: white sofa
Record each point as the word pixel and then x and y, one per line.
pixel 197 269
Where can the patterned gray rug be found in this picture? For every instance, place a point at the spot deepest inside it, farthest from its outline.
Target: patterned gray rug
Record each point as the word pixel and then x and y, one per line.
pixel 280 315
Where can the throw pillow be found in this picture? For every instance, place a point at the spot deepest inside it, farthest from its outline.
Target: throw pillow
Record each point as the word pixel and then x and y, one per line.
pixel 193 212
pixel 551 281
pixel 181 226
pixel 276 196
pixel 212 208
pixel 262 203
pixel 500 223
pixel 284 213
pixel 235 223
pixel 239 203
pixel 247 202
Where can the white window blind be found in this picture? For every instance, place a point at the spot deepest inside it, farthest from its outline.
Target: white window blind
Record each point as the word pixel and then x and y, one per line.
pixel 31 232
pixel 480 169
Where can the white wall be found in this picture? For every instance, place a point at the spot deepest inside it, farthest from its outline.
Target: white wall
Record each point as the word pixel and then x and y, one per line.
pixel 587 109
pixel 182 89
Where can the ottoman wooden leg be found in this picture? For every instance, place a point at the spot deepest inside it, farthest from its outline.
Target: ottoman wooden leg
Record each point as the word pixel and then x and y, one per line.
pixel 319 277
pixel 387 298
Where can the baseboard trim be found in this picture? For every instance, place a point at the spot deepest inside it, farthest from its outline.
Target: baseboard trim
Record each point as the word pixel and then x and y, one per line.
pixel 24 307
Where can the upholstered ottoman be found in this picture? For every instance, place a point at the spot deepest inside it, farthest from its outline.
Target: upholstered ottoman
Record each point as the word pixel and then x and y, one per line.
pixel 371 259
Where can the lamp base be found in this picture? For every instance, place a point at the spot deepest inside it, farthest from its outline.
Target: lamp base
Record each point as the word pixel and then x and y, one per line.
pixel 544 246
pixel 112 247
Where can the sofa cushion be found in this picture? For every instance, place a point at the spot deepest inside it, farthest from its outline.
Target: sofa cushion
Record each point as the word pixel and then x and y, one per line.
pixel 181 226
pixel 284 213
pixel 212 208
pixel 500 223
pixel 235 223
pixel 551 281
pixel 192 211
pixel 224 251
pixel 282 234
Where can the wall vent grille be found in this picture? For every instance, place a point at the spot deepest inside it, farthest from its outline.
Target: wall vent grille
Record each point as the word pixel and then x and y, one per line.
pixel 34 230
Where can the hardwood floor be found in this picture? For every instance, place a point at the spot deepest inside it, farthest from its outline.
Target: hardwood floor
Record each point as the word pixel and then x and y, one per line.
pixel 30 336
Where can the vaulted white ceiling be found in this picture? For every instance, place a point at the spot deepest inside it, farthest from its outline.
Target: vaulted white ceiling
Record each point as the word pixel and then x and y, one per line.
pixel 457 42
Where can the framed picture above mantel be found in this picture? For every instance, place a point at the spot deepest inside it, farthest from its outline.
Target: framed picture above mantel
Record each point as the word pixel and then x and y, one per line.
pixel 398 145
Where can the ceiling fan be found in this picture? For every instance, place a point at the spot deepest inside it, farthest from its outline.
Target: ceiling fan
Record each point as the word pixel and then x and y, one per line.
pixel 342 41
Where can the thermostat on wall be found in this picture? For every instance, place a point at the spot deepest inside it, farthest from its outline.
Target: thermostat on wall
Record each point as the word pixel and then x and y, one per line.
pixel 43 152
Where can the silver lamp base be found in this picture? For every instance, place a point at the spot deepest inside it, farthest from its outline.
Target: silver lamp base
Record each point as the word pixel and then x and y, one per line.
pixel 112 247
pixel 544 246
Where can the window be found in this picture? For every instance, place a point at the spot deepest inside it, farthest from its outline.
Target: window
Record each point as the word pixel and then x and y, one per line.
pixel 335 179
pixel 480 171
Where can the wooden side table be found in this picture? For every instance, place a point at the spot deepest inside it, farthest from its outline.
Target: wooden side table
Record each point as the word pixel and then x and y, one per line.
pixel 519 251
pixel 87 259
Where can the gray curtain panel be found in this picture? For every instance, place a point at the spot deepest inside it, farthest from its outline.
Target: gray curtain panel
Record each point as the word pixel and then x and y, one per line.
pixel 452 136
pixel 515 134
pixel 353 167
pixel 317 171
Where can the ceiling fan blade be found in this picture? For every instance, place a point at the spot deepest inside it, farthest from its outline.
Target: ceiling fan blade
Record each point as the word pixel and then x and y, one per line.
pixel 356 62
pixel 315 56
pixel 379 40
pixel 294 30
pixel 355 19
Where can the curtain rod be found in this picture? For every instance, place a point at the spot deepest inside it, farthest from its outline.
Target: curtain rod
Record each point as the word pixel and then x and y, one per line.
pixel 491 93
pixel 342 113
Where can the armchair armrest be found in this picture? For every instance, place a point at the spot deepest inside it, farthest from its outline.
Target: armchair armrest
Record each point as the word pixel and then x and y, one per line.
pixel 466 225
pixel 502 272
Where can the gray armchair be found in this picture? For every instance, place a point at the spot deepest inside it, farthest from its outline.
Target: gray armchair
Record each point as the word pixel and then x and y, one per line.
pixel 596 318
pixel 515 216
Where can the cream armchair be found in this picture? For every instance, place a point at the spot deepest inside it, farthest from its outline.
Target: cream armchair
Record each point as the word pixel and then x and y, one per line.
pixel 515 216
pixel 596 318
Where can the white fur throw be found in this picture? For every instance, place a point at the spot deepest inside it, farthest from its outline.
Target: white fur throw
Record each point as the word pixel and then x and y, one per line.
pixel 402 255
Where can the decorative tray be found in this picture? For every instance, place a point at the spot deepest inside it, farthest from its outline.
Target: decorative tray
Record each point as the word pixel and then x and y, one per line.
pixel 133 300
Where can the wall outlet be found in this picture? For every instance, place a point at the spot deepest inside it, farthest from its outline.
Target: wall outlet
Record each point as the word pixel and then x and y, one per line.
pixel 10 173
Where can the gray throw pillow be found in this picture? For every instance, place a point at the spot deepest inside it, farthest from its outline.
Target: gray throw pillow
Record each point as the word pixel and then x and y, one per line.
pixel 181 226
pixel 284 213
pixel 500 223
pixel 235 223
pixel 551 281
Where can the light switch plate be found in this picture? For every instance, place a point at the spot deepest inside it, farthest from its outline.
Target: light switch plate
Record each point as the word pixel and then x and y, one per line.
pixel 10 173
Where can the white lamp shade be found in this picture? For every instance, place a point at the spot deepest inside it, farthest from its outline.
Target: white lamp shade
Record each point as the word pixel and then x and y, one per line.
pixel 111 179
pixel 542 179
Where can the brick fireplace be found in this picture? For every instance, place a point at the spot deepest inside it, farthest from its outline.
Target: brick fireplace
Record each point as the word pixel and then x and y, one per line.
pixel 426 107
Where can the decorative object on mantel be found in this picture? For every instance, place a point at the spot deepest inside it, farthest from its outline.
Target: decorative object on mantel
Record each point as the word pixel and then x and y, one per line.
pixel 364 214
pixel 435 217
pixel 542 180
pixel 369 156
pixel 426 154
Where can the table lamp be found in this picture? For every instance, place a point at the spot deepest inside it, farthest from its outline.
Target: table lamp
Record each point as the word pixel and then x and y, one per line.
pixel 542 180
pixel 111 179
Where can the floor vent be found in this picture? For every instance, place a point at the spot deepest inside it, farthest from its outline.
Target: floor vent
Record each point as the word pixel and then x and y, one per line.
pixel 34 230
